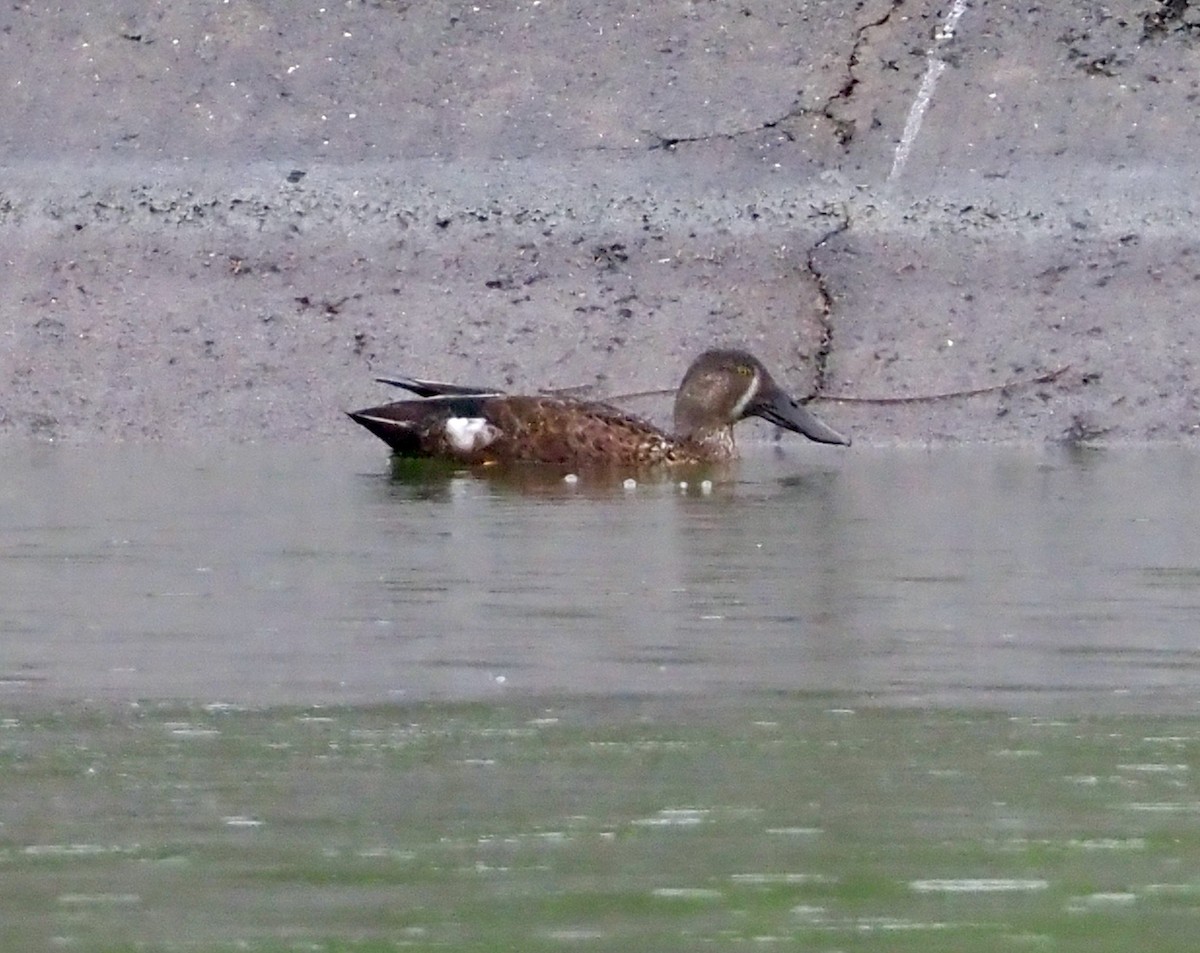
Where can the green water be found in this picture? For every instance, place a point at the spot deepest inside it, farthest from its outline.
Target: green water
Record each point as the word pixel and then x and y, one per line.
pixel 277 699
pixel 762 821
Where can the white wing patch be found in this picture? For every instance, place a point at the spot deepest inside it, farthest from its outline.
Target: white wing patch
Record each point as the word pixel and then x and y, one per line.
pixel 470 434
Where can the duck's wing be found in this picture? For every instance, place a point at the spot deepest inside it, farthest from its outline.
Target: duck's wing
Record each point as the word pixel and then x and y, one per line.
pixel 435 388
pixel 486 428
pixel 565 432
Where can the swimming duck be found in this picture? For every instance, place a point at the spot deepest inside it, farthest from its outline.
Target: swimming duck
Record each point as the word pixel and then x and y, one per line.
pixel 481 425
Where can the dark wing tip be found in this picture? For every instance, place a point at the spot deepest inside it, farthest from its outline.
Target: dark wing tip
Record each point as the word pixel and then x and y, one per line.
pixel 423 388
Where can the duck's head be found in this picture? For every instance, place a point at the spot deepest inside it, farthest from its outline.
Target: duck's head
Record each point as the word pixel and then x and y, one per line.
pixel 725 386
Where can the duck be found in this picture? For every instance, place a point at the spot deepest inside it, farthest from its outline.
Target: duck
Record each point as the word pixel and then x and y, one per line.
pixel 480 426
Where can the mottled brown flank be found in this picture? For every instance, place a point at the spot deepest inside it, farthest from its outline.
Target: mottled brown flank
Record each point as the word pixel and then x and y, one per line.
pixel 568 432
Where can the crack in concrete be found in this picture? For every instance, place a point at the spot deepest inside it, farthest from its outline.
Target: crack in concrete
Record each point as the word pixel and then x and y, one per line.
pixel 825 345
pixel 843 129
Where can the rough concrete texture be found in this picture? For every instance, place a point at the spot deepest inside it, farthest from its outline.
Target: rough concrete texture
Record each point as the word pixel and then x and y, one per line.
pixel 218 221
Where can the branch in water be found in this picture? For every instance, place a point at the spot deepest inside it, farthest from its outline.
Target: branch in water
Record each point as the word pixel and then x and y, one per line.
pixel 1046 378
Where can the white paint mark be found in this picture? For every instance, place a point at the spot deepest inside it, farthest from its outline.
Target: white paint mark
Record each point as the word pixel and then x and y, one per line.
pixel 912 125
pixel 934 67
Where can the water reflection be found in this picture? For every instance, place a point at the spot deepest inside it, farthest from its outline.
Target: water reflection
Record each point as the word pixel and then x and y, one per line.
pixel 990 577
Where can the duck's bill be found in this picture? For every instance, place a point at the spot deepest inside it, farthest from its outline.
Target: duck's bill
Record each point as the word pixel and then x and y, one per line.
pixel 784 411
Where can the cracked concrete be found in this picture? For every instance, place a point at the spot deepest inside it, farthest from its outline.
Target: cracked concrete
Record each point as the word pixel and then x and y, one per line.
pixel 844 128
pixel 219 223
pixel 824 351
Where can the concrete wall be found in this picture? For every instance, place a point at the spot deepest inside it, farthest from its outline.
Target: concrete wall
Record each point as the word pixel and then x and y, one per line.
pixel 218 220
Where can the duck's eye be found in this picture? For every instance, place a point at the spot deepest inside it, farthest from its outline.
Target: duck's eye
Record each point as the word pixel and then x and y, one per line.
pixel 745 370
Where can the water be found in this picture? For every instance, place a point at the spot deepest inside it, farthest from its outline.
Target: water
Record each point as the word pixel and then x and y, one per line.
pixel 270 698
pixel 1008 578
